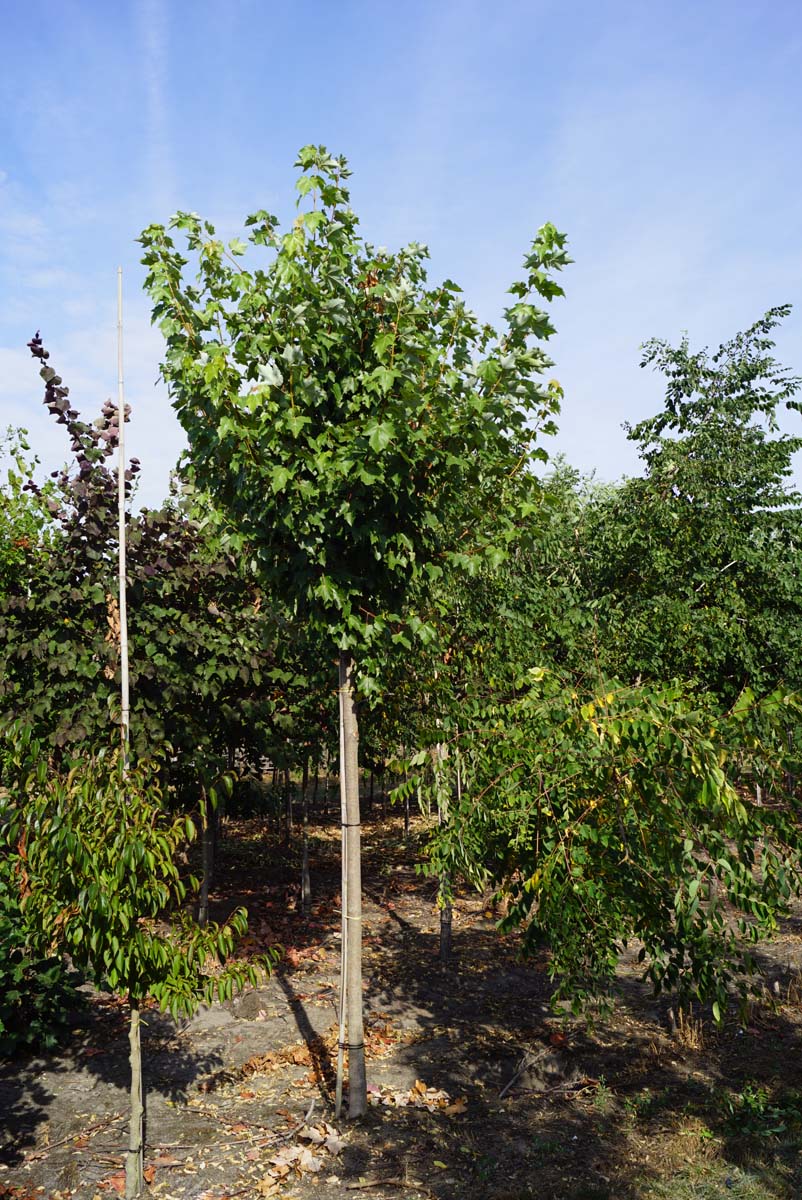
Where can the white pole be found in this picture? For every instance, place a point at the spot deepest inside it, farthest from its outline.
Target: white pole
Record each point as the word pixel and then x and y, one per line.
pixel 125 711
pixel 338 1086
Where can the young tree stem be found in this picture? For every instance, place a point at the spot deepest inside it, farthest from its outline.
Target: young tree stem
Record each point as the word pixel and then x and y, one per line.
pixel 134 1162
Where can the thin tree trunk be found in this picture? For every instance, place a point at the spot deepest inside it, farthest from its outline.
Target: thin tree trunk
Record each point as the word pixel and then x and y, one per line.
pixel 326 781
pixel 135 1159
pixel 207 849
pixel 357 1081
pixel 406 816
pixel 445 878
pixel 287 806
pixel 306 885
pixel 341 1016
pixel 216 815
pixel 445 919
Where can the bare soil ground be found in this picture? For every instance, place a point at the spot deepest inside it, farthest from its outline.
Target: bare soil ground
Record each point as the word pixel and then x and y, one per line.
pixel 477 1089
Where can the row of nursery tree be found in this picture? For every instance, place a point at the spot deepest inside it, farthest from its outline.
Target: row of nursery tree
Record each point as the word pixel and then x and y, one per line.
pixel 596 687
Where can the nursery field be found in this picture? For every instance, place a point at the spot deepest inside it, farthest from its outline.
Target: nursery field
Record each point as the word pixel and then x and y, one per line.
pixel 476 1085
pixel 589 695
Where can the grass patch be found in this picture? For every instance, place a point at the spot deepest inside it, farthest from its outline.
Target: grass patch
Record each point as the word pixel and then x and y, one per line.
pixel 717 1181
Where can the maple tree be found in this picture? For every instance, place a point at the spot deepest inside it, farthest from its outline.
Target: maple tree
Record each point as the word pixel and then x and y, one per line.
pixel 364 431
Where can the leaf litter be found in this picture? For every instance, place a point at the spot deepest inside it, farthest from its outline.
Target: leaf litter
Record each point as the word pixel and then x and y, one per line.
pixel 473 1021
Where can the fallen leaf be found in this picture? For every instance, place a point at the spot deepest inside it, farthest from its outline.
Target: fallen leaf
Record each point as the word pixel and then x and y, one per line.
pixel 308 1162
pixel 114 1183
pixel 267 1187
pixel 287 1154
pixel 312 1135
pixel 334 1143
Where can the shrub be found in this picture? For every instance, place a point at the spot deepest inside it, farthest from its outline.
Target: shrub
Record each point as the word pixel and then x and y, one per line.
pixel 36 994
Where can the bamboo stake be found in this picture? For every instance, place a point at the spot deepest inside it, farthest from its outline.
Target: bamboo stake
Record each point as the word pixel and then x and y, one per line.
pixel 134 1160
pixel 357 1083
pixel 338 1096
pixel 125 711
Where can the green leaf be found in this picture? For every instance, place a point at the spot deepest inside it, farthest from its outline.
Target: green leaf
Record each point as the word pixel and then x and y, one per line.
pixel 269 374
pixel 296 422
pixel 380 434
pixel 279 477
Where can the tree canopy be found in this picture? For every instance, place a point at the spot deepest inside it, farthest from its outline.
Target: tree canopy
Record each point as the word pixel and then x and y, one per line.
pixel 365 430
pixel 694 569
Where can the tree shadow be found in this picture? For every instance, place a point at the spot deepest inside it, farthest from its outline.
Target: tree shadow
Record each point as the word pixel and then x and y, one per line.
pixel 24 1102
pixel 565 1108
pixel 48 1101
pixel 323 1067
pixel 533 1105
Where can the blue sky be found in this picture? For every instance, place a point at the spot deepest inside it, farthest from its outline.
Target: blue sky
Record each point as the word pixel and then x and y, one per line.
pixel 663 138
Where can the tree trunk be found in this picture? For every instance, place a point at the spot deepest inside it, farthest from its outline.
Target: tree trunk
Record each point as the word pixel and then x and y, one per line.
pixel 341 1016
pixel 445 919
pixel 207 848
pixel 218 813
pixel 306 886
pixel 352 931
pixel 406 807
pixel 444 897
pixel 135 1158
pixel 287 806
